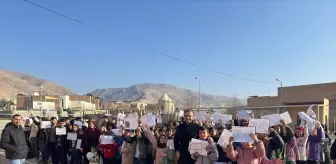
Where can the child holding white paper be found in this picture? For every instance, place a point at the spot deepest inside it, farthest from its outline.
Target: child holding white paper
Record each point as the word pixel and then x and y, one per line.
pixel 250 153
pixel 211 149
pixel 163 155
pixel 314 143
pixel 76 155
pixel 61 144
pixel 301 134
pixel 287 134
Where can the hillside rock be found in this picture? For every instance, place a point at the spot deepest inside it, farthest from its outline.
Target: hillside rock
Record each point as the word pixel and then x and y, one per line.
pixel 150 93
pixel 13 83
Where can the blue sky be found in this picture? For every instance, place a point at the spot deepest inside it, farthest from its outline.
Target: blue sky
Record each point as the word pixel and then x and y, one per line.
pixel 263 40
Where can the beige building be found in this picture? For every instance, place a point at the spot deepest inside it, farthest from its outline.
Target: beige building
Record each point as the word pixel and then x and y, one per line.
pixel 166 104
pixel 88 102
pixel 295 99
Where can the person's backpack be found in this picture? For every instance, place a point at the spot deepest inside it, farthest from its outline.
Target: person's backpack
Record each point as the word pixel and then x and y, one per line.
pixel 109 153
pixel 109 150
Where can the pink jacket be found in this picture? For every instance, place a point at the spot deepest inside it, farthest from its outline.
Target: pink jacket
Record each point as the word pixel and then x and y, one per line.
pixel 253 155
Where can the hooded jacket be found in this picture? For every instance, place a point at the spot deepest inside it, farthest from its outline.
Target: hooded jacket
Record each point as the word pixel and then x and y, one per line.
pixel 13 141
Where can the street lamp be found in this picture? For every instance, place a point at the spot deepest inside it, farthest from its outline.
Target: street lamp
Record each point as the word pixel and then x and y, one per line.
pixel 281 88
pixel 41 93
pixel 199 93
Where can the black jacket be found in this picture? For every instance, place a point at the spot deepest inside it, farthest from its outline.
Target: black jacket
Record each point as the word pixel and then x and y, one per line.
pixel 289 134
pixel 183 135
pixel 276 142
pixel 13 141
pixel 333 150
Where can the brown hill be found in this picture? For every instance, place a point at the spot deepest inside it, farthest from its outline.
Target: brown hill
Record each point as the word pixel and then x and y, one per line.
pixel 12 83
pixel 150 93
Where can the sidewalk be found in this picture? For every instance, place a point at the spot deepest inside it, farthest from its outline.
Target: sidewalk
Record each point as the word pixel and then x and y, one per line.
pixel 3 159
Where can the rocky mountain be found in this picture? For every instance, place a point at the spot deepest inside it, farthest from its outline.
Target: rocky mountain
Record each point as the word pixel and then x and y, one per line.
pixel 12 83
pixel 150 93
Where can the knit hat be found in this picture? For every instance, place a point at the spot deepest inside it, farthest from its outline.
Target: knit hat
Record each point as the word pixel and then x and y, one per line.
pixel 301 129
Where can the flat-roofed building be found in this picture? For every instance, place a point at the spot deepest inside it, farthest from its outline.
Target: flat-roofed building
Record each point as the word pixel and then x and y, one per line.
pixel 295 99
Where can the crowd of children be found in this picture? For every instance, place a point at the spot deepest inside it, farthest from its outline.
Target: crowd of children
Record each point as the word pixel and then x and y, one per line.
pixel 148 145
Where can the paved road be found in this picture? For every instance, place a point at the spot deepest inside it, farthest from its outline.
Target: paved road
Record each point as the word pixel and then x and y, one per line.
pixel 3 159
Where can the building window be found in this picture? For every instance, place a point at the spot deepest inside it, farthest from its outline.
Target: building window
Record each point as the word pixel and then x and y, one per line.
pixel 62 103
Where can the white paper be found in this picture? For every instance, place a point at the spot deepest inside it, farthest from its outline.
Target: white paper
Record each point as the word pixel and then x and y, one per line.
pixel 117 132
pixel 45 124
pixel 244 114
pixel 72 136
pixel 221 118
pixel 310 122
pixel 199 146
pixel 148 119
pixel 181 113
pixel 261 125
pixel 305 117
pixel 225 118
pixel 78 144
pixel 310 112
pixel 61 131
pixel 286 117
pixel 273 118
pixel 78 123
pixel 120 123
pixel 131 124
pixel 242 134
pixel 224 138
pixel 105 139
pixel 170 144
pixel 158 119
pixel 121 116
pixel 200 116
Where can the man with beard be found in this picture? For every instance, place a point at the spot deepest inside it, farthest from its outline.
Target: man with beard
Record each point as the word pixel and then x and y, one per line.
pixel 13 141
pixel 183 135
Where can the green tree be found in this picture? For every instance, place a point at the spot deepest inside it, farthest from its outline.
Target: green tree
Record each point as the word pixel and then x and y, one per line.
pixel 6 103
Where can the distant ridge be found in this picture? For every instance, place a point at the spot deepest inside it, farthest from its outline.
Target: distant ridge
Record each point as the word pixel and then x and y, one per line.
pixel 150 93
pixel 19 83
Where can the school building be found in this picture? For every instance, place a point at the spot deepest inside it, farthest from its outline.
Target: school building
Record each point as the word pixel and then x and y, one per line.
pixel 295 99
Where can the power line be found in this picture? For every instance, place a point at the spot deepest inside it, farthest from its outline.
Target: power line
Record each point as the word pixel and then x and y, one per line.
pixel 148 49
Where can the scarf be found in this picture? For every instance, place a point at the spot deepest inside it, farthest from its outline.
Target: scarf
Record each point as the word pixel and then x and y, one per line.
pixel 161 145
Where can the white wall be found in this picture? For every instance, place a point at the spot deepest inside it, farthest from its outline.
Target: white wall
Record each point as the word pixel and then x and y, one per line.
pixel 44 105
pixel 81 105
pixel 66 102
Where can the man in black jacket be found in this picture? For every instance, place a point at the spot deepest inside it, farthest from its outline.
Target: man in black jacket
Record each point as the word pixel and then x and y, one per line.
pixel 13 141
pixel 183 135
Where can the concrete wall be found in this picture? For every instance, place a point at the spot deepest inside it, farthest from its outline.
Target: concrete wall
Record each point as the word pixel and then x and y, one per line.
pixel 263 101
pixel 307 93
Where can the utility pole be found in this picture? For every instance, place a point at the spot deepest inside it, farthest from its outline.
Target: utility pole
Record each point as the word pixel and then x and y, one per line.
pixel 41 93
pixel 281 96
pixel 199 93
pixel 14 96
